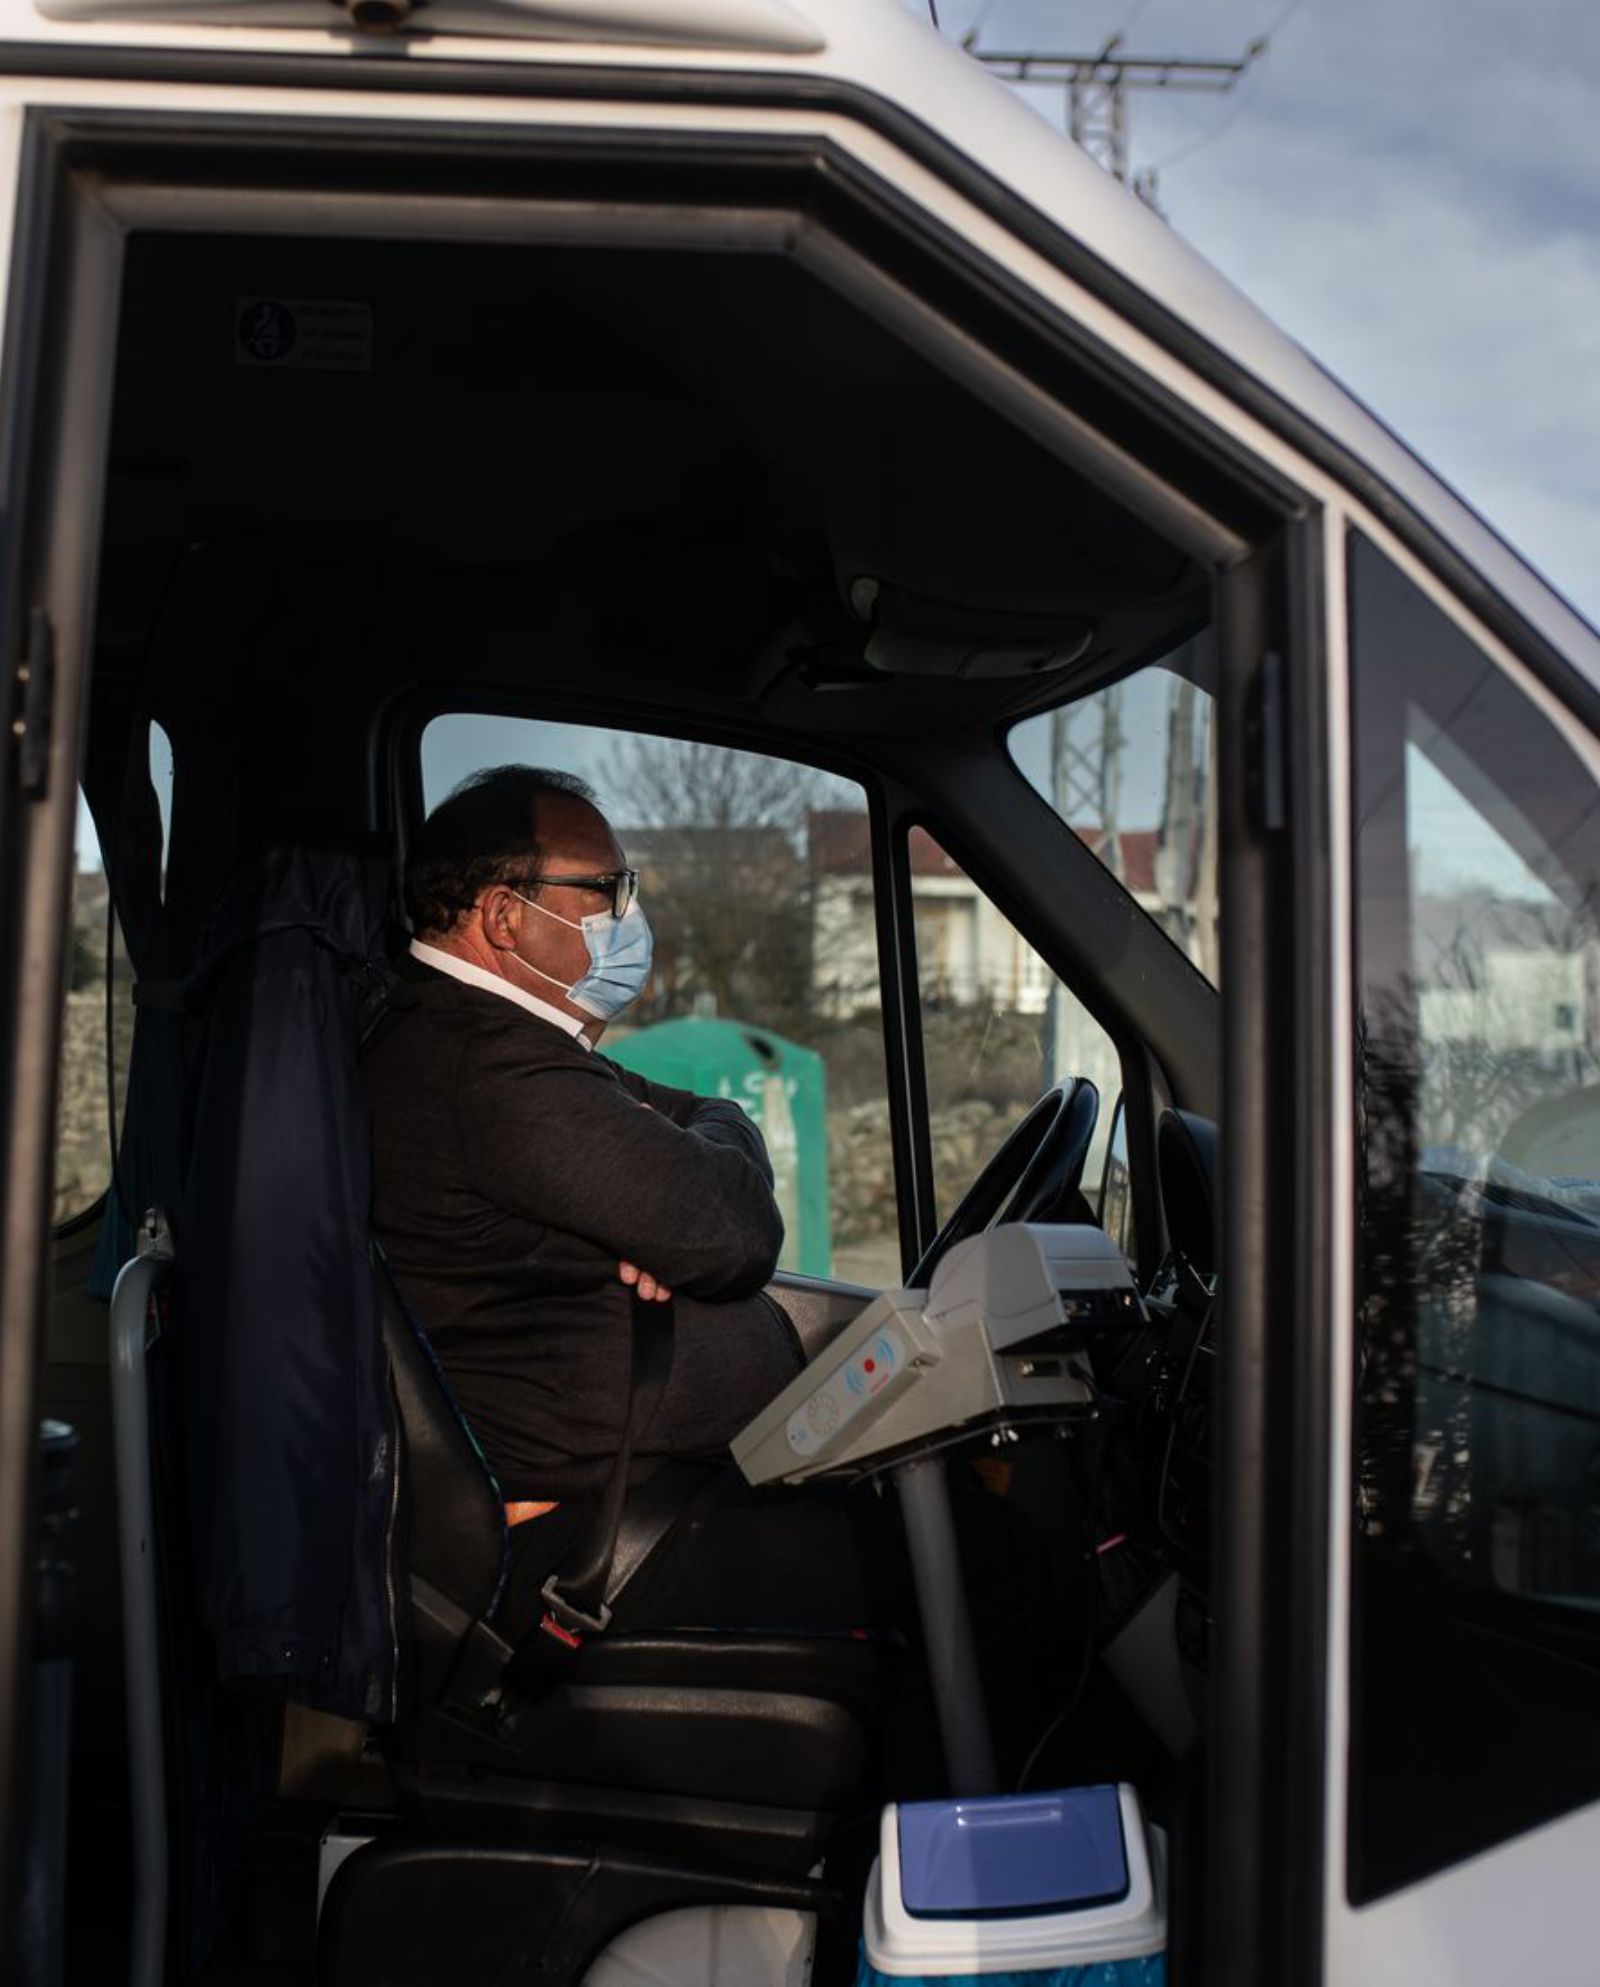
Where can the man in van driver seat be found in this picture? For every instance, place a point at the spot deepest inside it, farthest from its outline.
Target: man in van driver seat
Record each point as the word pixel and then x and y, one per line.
pixel 524 1186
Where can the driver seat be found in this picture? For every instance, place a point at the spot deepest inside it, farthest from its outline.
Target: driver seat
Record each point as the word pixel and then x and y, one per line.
pixel 733 1717
pixel 658 1770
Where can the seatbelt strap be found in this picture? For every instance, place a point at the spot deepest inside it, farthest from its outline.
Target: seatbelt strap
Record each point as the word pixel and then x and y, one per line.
pixel 575 1595
pixel 671 1494
pixel 477 1674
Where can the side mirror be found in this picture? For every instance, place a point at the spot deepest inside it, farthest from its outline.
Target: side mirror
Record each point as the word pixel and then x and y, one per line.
pixel 1115 1209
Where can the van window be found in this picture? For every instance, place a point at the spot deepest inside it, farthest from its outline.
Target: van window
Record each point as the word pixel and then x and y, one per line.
pixel 161 778
pixel 1131 768
pixel 758 992
pixel 1475 1663
pixel 84 1112
pixel 998 1027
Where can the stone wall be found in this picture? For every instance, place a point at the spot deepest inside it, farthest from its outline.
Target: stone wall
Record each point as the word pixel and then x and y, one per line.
pixel 82 1152
pixel 861 1167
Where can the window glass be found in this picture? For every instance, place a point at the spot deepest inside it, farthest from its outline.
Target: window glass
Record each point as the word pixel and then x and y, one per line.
pixel 1475 1668
pixel 83 1118
pixel 161 780
pixel 760 991
pixel 84 1115
pixel 1132 770
pixel 998 1027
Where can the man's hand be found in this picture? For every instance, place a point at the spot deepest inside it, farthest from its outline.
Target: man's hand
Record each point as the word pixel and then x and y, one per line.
pixel 644 1284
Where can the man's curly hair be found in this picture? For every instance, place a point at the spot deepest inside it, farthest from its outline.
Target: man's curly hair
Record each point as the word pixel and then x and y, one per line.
pixel 486 832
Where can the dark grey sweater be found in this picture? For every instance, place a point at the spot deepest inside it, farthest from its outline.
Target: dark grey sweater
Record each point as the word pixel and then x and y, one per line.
pixel 512 1169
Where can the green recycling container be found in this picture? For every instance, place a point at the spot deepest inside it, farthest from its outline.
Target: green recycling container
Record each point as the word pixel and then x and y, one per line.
pixel 780 1085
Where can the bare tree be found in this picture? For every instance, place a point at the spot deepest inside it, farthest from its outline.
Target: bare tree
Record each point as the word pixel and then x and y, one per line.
pixel 719 837
pixel 685 783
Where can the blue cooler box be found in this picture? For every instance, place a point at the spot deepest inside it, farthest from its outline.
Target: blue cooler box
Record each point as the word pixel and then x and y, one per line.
pixel 1053 1890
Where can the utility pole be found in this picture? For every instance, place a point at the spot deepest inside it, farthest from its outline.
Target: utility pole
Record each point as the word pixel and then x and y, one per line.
pixel 1086 745
pixel 1178 839
pixel 1086 741
pixel 1097 87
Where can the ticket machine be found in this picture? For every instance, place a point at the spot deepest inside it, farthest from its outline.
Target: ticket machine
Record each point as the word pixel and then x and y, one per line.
pixel 998 1341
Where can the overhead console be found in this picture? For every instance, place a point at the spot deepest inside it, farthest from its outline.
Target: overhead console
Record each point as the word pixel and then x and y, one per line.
pixel 1000 1338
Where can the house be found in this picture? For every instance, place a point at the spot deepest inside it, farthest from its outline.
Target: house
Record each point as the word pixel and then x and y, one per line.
pixel 967 951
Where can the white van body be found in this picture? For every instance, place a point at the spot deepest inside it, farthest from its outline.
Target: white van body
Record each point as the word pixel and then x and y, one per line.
pixel 960 162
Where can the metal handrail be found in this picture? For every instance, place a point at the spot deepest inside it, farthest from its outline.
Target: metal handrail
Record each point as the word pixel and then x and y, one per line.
pixel 137 1282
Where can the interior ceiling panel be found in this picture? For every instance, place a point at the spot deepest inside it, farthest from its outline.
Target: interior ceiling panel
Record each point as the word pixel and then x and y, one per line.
pixel 687 451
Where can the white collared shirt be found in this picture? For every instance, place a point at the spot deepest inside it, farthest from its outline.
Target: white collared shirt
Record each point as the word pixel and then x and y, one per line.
pixel 475 976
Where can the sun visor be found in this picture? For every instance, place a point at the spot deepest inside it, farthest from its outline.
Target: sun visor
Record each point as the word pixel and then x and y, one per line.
pixel 915 635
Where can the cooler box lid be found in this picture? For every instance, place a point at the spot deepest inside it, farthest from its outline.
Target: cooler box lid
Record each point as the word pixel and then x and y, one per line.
pixel 1066 1879
pixel 1024 1852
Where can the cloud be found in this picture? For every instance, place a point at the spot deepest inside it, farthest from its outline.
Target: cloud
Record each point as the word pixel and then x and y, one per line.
pixel 1471 326
pixel 1408 190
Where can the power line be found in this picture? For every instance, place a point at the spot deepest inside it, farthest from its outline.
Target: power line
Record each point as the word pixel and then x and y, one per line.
pixel 1263 45
pixel 975 25
pixel 1096 88
pixel 1286 15
pixel 1231 116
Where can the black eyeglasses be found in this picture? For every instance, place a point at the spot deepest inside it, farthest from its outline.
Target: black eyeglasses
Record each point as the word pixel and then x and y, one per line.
pixel 621 885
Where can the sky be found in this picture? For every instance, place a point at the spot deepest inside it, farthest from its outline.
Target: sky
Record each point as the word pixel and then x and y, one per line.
pixel 1408 188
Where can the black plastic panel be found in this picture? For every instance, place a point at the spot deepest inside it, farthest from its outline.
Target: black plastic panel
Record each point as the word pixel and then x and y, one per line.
pixel 437 1804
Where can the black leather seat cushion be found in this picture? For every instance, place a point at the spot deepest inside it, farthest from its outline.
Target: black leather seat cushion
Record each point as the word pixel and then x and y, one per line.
pixel 783 1721
pixel 783 1749
pixel 853 1671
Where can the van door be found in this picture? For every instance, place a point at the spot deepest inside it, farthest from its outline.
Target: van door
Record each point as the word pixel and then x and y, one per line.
pixel 54 407
pixel 1464 1761
pixel 1086 386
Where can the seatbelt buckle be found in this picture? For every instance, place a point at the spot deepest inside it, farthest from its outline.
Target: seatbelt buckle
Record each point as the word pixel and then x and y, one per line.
pixel 567 1624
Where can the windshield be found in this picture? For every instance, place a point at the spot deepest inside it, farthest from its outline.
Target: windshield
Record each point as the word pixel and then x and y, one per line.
pixel 1131 769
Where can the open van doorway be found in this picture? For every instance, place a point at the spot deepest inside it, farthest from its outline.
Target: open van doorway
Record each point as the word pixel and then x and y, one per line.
pixel 773 484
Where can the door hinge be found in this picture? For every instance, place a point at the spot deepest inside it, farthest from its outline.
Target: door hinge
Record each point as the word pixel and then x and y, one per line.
pixel 1269 747
pixel 36 687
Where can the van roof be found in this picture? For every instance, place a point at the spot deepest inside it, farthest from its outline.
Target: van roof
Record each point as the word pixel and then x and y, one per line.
pixel 892 67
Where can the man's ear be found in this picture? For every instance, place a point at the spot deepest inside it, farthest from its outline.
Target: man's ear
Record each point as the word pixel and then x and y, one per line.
pixel 499 917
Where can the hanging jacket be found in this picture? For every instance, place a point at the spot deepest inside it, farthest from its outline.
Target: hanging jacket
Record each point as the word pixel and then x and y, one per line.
pixel 290 1440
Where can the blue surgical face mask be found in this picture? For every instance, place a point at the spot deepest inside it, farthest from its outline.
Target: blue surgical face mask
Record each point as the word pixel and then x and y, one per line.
pixel 620 950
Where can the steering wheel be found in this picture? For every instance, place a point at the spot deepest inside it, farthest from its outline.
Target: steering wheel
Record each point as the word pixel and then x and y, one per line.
pixel 1036 1168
